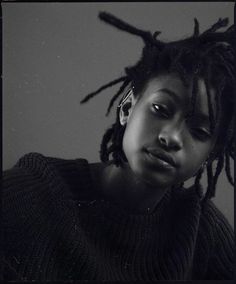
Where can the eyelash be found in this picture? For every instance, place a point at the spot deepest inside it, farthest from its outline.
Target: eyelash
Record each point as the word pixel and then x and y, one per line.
pixel 163 110
pixel 199 133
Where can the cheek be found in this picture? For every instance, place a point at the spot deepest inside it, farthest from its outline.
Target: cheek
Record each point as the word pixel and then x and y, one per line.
pixel 195 155
pixel 135 133
pixel 135 136
pixel 131 140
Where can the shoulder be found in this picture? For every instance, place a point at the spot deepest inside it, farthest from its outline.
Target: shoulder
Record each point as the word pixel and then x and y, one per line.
pixel 214 229
pixel 38 185
pixel 215 244
pixel 38 165
pixel 215 219
pixel 35 176
pixel 38 194
pixel 209 217
pixel 219 229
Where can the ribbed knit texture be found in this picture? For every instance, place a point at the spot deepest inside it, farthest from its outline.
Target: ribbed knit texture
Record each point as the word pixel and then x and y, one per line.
pixel 57 226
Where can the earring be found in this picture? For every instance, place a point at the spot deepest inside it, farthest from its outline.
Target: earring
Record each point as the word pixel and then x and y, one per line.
pixel 203 165
pixel 211 156
pixel 126 96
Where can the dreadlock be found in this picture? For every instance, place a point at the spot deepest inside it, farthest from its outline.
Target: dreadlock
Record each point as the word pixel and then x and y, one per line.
pixel 209 55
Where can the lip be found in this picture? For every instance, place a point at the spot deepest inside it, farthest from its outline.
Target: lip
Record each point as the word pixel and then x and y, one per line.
pixel 163 156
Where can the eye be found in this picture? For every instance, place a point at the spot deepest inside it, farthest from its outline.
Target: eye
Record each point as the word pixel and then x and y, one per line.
pixel 161 110
pixel 202 134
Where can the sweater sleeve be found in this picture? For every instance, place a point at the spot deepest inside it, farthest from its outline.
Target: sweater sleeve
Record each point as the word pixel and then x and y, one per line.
pixel 15 187
pixel 221 261
pixel 34 191
pixel 28 190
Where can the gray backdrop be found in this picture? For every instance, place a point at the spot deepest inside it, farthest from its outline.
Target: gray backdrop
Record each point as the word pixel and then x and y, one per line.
pixel 56 53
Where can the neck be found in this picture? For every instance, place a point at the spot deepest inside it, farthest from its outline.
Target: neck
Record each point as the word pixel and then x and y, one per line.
pixel 121 186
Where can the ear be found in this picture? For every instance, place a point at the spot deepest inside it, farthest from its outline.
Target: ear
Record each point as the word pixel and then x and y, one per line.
pixel 126 108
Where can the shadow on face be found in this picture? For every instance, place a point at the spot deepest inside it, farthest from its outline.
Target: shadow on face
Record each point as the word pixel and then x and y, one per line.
pixel 163 145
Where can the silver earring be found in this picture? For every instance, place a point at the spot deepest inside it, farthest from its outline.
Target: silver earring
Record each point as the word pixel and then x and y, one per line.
pixel 203 165
pixel 126 96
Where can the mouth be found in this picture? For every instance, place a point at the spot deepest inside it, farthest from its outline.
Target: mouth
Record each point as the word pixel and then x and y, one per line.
pixel 166 159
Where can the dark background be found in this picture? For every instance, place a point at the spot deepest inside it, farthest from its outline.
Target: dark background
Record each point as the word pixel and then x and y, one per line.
pixel 56 53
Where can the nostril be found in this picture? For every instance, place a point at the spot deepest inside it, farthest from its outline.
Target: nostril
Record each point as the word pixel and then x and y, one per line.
pixel 172 141
pixel 163 141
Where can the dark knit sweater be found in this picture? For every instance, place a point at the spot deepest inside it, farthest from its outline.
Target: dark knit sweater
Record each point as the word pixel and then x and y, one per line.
pixel 58 226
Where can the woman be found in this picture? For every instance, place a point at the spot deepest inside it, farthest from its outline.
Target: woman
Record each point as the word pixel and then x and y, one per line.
pixel 129 217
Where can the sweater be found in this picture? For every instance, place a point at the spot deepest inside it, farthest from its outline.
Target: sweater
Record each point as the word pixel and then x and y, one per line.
pixel 58 226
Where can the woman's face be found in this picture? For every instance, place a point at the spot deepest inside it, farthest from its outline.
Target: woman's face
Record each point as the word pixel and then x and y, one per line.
pixel 162 147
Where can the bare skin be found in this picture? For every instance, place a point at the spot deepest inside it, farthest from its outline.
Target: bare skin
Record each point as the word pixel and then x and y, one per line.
pixel 156 125
pixel 124 190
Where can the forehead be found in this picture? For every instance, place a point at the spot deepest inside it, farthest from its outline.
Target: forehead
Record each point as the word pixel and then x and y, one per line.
pixel 171 87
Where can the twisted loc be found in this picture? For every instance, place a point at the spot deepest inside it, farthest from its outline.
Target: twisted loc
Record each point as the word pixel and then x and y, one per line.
pixel 209 55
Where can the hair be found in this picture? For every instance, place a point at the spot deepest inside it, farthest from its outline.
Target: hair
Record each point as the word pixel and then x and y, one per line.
pixel 209 55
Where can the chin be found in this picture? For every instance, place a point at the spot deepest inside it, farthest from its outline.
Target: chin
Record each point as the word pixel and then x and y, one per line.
pixel 150 177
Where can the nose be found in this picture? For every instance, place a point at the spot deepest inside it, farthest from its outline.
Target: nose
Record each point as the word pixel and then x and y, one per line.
pixel 171 139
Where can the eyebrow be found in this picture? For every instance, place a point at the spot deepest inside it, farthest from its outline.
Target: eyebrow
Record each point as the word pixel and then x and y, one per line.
pixel 201 117
pixel 171 93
